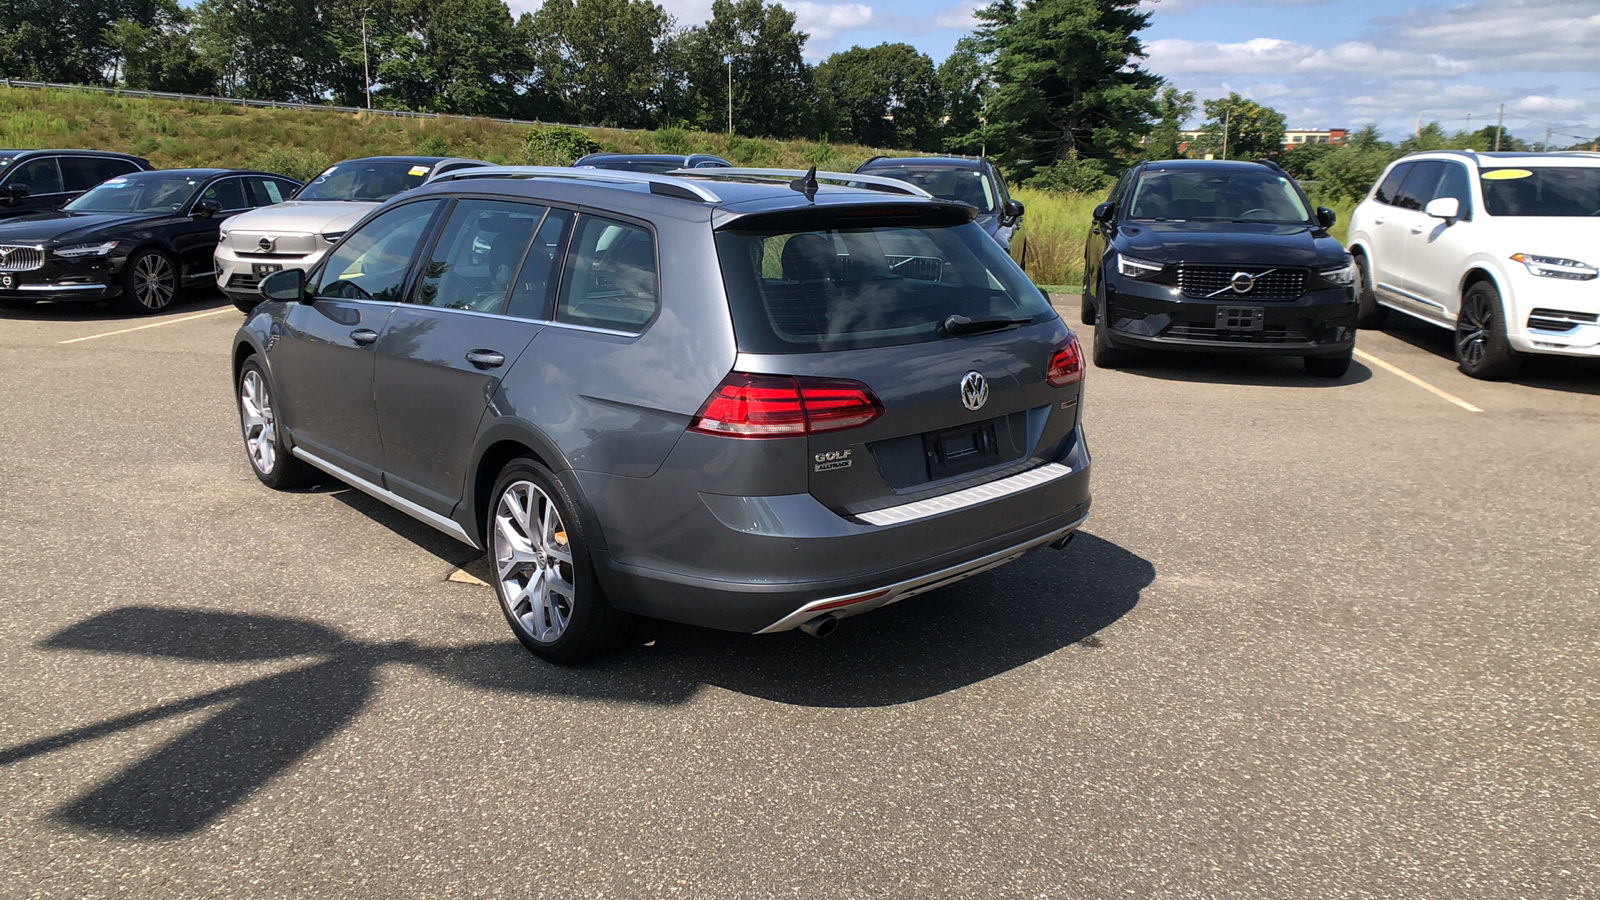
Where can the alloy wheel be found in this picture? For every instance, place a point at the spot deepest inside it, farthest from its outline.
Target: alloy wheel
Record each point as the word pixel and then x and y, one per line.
pixel 154 281
pixel 260 425
pixel 1473 329
pixel 533 561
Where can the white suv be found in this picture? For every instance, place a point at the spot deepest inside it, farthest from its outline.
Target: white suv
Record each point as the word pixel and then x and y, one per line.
pixel 1504 248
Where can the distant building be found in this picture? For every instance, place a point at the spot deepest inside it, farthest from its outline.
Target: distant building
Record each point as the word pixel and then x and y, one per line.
pixel 1294 137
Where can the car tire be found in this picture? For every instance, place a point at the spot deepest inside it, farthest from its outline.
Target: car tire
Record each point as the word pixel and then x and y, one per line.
pixel 1087 313
pixel 1369 312
pixel 264 444
pixel 10 303
pixel 1106 354
pixel 1329 366
pixel 542 573
pixel 1482 349
pixel 149 282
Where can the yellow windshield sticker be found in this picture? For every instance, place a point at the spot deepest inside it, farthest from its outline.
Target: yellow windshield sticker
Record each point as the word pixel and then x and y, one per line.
pixel 418 170
pixel 1505 174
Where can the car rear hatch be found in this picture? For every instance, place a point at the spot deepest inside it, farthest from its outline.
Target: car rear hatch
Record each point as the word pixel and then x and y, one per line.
pixel 946 345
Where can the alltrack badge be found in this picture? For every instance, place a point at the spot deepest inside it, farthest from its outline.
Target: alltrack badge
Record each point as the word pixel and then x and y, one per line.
pixel 832 459
pixel 974 391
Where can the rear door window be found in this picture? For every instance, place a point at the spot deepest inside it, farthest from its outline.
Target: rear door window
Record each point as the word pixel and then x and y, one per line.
pixel 371 264
pixel 530 293
pixel 229 194
pixel 267 191
pixel 479 250
pixel 80 173
pixel 853 286
pixel 611 279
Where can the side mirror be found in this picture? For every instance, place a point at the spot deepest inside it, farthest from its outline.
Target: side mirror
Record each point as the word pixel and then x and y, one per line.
pixel 1326 217
pixel 1443 208
pixel 16 193
pixel 285 284
pixel 1104 212
pixel 205 209
pixel 1012 209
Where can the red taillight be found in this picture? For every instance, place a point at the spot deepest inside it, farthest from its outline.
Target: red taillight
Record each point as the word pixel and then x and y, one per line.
pixel 1066 363
pixel 762 406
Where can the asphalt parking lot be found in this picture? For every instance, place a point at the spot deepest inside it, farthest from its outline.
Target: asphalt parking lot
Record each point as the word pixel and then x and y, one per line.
pixel 1318 639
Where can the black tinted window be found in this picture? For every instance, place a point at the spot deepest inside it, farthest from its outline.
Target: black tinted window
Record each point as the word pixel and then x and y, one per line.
pixel 1389 188
pixel 1572 191
pixel 855 286
pixel 530 293
pixel 267 191
pixel 1418 186
pixel 611 279
pixel 1455 182
pixel 371 263
pixel 42 175
pixel 478 251
pixel 80 173
pixel 229 193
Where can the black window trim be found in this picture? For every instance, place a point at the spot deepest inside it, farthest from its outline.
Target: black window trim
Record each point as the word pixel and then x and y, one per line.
pixel 410 295
pixel 569 254
pixel 1409 165
pixel 61 176
pixel 314 275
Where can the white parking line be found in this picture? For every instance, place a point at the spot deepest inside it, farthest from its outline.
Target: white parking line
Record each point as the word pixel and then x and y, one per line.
pixel 214 312
pixel 1368 357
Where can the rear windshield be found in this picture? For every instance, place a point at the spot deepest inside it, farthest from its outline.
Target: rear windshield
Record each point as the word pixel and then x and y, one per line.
pixel 1548 191
pixel 365 180
pixel 854 286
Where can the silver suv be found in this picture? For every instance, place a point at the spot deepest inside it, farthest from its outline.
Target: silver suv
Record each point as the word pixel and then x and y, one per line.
pixel 295 233
pixel 733 398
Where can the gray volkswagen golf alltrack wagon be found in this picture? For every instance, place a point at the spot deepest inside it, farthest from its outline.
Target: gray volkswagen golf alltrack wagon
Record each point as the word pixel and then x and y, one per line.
pixel 734 398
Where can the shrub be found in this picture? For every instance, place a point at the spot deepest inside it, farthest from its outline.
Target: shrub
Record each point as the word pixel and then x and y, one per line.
pixel 751 152
pixel 820 153
pixel 558 145
pixel 1071 176
pixel 671 139
pixel 295 162
pixel 433 145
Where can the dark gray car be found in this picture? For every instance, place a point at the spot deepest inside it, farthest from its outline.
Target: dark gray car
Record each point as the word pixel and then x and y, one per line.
pixel 733 400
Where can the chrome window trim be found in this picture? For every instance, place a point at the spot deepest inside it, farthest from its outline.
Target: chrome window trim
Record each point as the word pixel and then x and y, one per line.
pixel 962 499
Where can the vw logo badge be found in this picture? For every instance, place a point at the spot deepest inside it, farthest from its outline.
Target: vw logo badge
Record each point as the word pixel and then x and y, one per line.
pixel 974 390
pixel 266 246
pixel 1242 282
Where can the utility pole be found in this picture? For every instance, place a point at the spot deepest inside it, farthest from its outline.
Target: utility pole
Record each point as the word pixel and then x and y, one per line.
pixel 1419 126
pixel 1546 147
pixel 730 93
pixel 1226 116
pixel 1499 127
pixel 366 71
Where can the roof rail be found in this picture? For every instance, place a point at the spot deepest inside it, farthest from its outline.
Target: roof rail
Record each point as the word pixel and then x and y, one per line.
pixel 873 182
pixel 659 184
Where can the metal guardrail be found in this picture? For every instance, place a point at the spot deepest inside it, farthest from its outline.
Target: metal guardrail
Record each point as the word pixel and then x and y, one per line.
pixel 285 104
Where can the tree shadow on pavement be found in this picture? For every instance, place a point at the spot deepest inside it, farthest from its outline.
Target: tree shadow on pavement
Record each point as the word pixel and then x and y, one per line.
pixel 923 647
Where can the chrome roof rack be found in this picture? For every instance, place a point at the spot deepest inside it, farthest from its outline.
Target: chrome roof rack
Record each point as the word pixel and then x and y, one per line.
pixel 659 184
pixel 874 182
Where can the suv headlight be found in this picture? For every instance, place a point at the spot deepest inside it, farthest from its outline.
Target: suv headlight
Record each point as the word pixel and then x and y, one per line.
pixel 1138 268
pixel 79 251
pixel 1556 267
pixel 1344 275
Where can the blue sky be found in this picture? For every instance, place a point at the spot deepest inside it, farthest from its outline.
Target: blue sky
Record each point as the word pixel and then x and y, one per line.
pixel 1323 63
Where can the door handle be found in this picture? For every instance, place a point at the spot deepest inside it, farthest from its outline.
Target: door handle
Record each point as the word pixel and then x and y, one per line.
pixel 1377 221
pixel 485 359
pixel 363 336
pixel 1417 230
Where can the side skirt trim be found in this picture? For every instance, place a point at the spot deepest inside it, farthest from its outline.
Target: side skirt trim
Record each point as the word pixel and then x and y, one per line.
pixel 427 516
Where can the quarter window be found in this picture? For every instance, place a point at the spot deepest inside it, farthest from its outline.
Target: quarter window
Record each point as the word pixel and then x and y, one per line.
pixel 478 252
pixel 611 279
pixel 371 263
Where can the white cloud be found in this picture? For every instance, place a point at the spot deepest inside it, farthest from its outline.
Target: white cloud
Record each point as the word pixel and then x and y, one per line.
pixel 958 16
pixel 826 21
pixel 1497 35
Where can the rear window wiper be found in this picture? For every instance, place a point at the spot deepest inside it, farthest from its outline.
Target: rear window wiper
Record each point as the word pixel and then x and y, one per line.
pixel 979 324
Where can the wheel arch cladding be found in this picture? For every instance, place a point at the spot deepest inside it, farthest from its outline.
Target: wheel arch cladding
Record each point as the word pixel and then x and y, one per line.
pixel 1478 275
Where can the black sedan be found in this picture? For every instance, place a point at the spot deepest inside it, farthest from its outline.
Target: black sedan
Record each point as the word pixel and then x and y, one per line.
pixel 136 239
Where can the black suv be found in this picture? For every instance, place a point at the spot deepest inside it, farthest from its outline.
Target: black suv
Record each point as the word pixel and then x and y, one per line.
pixel 35 180
pixel 975 182
pixel 1221 256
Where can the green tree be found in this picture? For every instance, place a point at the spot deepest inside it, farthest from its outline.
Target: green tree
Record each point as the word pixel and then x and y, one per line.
pixel 1349 172
pixel 458 56
pixel 602 59
pixel 1301 159
pixel 962 79
pixel 771 81
pixel 1237 128
pixel 883 96
pixel 159 55
pixel 1172 108
pixel 271 49
pixel 67 40
pixel 1430 137
pixel 1067 82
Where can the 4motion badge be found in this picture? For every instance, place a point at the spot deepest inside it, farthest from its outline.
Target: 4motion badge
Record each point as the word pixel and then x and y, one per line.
pixel 832 459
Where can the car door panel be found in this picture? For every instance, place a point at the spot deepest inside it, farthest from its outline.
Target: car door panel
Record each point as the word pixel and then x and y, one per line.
pixel 324 374
pixel 1436 247
pixel 1385 235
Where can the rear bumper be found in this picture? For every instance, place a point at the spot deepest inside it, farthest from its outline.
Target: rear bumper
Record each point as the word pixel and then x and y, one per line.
pixel 762 564
pixel 1318 323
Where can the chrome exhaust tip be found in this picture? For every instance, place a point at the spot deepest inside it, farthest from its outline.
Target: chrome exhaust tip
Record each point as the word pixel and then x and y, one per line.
pixel 1062 544
pixel 821 626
